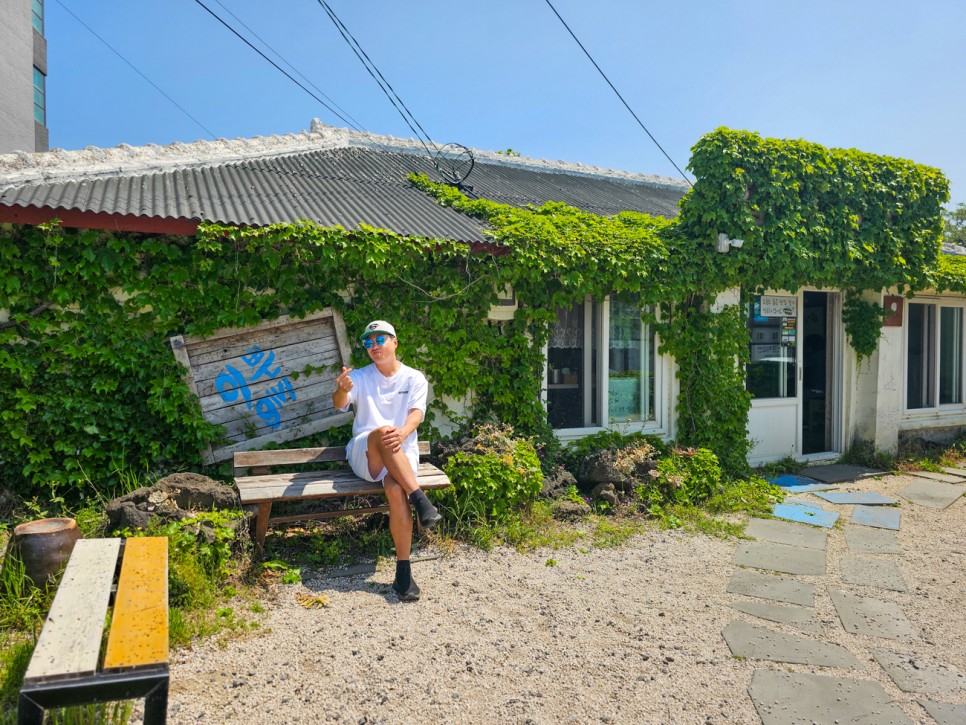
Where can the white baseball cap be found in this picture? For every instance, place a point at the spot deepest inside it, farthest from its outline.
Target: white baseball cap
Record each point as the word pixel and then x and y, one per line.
pixel 378 326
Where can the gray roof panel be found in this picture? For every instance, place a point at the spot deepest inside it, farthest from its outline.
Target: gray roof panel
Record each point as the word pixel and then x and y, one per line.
pixel 344 186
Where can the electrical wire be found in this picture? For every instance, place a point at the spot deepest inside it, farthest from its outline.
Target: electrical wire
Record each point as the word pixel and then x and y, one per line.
pixel 626 105
pixel 356 125
pixel 136 70
pixel 276 65
pixel 378 77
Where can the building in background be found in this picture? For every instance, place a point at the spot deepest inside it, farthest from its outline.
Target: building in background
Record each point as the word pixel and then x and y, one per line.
pixel 23 76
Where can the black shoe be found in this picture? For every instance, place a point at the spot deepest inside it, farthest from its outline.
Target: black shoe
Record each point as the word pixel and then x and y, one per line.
pixel 410 595
pixel 430 517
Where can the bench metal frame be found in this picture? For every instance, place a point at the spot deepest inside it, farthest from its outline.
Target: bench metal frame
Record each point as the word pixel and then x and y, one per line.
pixel 151 683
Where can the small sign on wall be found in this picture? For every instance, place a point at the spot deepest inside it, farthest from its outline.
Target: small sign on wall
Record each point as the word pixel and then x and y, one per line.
pixel 268 383
pixel 892 304
pixel 778 306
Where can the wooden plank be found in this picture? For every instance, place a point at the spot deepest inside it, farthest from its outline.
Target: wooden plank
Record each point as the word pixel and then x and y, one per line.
pixel 344 350
pixel 313 398
pixel 180 351
pixel 139 628
pixel 203 353
pixel 70 642
pixel 291 456
pixel 227 332
pixel 325 363
pixel 322 484
pixel 288 456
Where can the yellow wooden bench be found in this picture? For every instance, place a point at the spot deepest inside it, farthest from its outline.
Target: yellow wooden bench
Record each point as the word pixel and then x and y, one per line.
pixel 66 667
pixel 263 488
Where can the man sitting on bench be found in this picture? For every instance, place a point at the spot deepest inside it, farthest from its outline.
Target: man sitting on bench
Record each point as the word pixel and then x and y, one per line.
pixel 390 402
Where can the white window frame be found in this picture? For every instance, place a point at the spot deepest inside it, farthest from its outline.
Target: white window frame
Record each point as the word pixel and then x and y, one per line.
pixel 662 396
pixel 937 408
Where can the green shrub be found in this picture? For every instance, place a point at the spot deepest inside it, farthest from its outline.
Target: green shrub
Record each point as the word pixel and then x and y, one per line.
pixel 501 478
pixel 685 476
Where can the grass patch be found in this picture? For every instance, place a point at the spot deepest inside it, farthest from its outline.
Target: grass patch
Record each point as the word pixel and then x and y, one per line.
pixel 612 533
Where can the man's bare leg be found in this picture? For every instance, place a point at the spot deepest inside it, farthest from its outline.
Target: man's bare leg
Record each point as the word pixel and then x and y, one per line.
pixel 400 518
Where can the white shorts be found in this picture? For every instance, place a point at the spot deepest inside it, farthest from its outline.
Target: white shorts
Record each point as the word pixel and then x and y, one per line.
pixel 359 461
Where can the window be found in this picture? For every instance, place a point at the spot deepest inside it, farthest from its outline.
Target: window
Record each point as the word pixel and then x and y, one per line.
pixel 601 365
pixel 38 15
pixel 934 356
pixel 772 372
pixel 40 97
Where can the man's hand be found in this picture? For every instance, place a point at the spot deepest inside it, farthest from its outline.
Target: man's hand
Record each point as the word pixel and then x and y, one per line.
pixel 344 382
pixel 392 439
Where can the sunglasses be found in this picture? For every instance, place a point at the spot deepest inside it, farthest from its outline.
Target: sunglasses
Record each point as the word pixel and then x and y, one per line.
pixel 380 341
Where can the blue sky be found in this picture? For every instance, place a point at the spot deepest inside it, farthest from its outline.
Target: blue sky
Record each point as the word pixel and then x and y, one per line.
pixel 883 76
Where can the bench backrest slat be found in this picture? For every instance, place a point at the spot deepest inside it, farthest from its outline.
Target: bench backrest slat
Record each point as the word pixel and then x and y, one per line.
pixel 292 456
pixel 70 642
pixel 139 628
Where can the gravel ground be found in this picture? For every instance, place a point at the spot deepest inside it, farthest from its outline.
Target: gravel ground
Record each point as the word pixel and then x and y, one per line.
pixel 628 635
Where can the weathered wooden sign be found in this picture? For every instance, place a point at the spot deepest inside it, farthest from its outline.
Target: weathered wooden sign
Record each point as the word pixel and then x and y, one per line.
pixel 271 382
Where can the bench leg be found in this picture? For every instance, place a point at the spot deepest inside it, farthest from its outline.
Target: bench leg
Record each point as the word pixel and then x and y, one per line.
pixel 156 705
pixel 29 712
pixel 260 525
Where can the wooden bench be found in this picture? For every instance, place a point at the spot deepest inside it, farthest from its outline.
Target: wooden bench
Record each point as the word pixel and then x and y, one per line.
pixel 264 488
pixel 66 668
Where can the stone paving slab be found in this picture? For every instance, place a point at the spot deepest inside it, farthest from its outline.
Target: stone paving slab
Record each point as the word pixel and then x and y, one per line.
pixel 840 473
pixel 794 616
pixel 932 494
pixel 784 532
pixel 959 473
pixel 801 484
pixel 944 713
pixel 865 540
pixel 760 643
pixel 865 498
pixel 866 572
pixel 911 674
pixel 873 617
pixel 769 586
pixel 783 698
pixel 941 477
pixel 877 517
pixel 779 557
pixel 804 514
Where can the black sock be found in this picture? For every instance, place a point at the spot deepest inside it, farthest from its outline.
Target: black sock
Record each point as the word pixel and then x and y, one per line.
pixel 420 502
pixel 403 575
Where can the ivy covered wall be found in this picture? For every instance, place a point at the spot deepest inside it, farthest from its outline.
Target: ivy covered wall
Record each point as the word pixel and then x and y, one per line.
pixel 88 384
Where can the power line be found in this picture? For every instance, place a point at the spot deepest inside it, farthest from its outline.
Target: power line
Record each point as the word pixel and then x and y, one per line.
pixel 380 80
pixel 357 126
pixel 276 65
pixel 135 69
pixel 626 105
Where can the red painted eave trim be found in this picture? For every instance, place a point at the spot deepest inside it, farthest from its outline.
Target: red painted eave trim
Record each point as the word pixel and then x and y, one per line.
pixel 98 220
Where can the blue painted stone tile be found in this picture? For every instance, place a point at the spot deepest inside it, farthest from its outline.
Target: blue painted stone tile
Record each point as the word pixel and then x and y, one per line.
pixel 805 514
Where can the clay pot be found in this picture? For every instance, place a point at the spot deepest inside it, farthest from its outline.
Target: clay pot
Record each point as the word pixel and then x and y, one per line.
pixel 44 546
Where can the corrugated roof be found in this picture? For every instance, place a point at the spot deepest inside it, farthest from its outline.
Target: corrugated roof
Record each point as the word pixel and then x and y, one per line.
pixel 345 186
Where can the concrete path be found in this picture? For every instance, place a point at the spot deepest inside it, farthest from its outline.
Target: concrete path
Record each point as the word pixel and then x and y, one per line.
pixel 872 540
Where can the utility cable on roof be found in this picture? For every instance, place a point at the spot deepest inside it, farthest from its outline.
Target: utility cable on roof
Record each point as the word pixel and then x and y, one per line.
pixel 378 77
pixel 135 69
pixel 356 125
pixel 626 105
pixel 277 66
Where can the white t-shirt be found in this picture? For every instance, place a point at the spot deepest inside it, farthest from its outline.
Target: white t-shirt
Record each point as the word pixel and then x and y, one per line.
pixel 379 401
